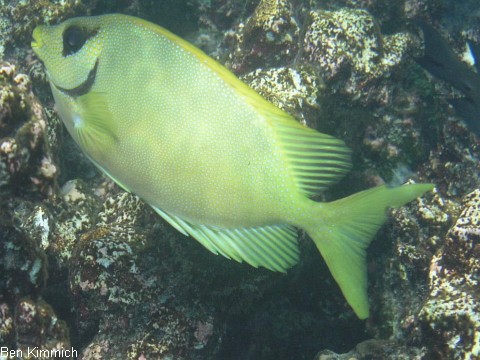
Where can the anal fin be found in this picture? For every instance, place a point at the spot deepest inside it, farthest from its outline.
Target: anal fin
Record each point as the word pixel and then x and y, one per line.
pixel 273 247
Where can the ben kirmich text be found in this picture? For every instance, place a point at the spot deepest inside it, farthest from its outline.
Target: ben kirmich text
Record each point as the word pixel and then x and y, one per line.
pixel 37 353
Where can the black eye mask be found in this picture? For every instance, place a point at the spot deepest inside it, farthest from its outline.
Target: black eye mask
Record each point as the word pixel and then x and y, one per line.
pixel 74 37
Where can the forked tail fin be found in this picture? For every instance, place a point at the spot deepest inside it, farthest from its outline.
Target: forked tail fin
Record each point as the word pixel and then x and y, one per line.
pixel 347 228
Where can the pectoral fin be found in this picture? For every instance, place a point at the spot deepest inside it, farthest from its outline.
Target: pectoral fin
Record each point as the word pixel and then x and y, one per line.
pixel 94 125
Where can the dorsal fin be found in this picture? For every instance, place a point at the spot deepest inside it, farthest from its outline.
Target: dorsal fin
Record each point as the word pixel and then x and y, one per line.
pixel 315 160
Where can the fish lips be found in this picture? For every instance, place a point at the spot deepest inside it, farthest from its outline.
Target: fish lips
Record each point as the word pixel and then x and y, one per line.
pixel 37 42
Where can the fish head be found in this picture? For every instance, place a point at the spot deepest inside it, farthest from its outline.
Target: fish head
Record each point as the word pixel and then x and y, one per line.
pixel 72 54
pixel 70 51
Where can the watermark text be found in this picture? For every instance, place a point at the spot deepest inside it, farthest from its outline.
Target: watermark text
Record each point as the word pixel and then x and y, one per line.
pixel 34 352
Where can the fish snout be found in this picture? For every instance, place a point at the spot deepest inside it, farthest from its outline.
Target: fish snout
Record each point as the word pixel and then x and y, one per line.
pixel 37 41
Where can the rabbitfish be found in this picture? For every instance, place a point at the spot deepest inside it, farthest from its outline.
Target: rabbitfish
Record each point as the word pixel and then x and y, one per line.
pixel 209 154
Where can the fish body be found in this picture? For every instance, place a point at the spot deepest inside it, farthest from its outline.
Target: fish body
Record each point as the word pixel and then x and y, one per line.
pixel 210 155
pixel 441 61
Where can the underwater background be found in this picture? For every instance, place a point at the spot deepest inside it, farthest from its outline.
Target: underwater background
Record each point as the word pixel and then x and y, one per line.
pixel 84 265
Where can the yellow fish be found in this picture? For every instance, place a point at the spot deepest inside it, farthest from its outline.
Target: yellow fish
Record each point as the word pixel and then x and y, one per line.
pixel 209 154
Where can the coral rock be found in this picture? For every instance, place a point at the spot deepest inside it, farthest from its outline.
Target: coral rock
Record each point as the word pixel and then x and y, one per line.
pixel 349 40
pixel 451 312
pixel 26 163
pixel 295 91
pixel 268 38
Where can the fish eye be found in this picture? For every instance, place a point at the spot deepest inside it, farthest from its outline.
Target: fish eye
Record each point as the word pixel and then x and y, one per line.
pixel 73 39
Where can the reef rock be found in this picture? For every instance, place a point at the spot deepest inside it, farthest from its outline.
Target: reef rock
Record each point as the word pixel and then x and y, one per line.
pixel 451 314
pixel 295 91
pixel 26 164
pixel 375 350
pixel 347 44
pixel 268 38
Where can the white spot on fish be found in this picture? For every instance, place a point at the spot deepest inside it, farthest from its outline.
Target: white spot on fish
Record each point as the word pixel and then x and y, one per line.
pixel 467 55
pixel 78 122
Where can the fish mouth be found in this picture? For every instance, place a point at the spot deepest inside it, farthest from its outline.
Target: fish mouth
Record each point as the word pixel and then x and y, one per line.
pixel 37 41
